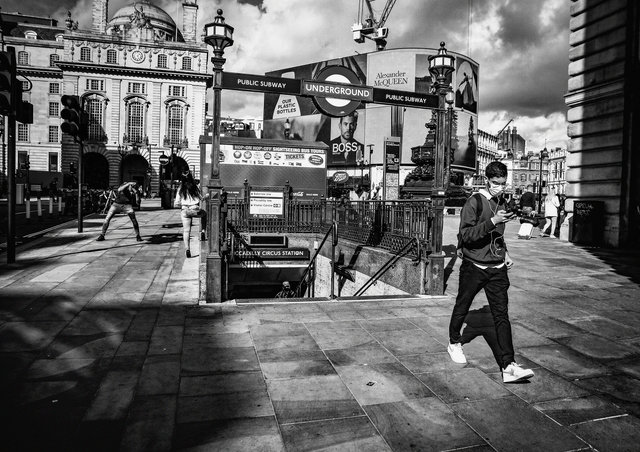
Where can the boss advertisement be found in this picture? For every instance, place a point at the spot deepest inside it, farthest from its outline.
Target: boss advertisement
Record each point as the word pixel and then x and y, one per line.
pixel 350 138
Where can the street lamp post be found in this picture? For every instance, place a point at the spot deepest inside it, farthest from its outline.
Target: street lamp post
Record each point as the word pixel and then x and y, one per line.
pixel 441 65
pixel 543 155
pixel 219 36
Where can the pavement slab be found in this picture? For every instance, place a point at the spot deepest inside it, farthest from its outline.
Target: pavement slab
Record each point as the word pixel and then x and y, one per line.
pixel 104 346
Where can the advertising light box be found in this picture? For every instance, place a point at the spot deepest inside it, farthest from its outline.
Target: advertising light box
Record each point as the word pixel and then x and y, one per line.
pixel 269 164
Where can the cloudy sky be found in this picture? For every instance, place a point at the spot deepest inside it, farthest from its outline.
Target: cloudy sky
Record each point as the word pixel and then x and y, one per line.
pixel 520 45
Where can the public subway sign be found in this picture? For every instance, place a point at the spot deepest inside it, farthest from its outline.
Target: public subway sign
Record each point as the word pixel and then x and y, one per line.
pixel 260 83
pixel 404 98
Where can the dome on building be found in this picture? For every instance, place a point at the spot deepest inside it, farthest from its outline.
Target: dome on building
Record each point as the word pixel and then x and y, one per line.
pixel 144 15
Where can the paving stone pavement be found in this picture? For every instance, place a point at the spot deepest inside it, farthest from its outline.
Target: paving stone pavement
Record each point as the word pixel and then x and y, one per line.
pixel 104 346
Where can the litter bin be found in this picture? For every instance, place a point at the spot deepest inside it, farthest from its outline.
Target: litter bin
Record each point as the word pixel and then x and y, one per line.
pixel 20 194
pixel 587 224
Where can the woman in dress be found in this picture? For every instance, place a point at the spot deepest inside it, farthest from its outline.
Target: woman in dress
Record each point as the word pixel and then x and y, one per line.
pixel 551 204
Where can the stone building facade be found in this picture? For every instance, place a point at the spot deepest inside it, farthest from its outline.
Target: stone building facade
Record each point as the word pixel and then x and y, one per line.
pixel 603 100
pixel 141 81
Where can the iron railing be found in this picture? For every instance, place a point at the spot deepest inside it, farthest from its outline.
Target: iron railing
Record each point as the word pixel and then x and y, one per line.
pixel 390 225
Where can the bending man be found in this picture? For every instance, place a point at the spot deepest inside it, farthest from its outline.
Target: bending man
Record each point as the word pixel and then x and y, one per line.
pixel 125 199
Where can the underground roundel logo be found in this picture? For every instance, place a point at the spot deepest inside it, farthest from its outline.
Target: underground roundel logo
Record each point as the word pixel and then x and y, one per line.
pixel 334 106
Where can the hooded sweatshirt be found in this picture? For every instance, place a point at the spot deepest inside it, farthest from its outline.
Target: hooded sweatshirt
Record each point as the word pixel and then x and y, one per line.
pixel 481 241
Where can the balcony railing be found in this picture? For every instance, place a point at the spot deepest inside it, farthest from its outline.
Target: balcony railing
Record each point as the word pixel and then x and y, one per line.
pixel 386 224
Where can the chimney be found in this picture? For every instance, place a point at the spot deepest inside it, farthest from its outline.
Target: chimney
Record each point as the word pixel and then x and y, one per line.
pixel 189 20
pixel 99 16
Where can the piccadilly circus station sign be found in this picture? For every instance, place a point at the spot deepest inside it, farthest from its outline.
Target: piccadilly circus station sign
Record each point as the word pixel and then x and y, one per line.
pixel 336 91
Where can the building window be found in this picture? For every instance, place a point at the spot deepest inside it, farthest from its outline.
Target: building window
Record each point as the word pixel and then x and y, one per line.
pixel 25 86
pixel 95 110
pixel 162 61
pixel 23 58
pixel 135 122
pixel 22 159
pixel 176 91
pixel 176 124
pixel 59 38
pixel 112 56
pixel 54 88
pixel 95 84
pixel 53 134
pixel 31 35
pixel 186 63
pixel 136 88
pixel 23 132
pixel 53 161
pixel 85 54
pixel 54 108
pixel 53 58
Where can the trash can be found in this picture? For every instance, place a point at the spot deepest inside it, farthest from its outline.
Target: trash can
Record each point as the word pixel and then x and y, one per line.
pixel 20 194
pixel 587 223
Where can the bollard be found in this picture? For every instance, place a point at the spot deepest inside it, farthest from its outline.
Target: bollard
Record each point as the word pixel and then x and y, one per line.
pixel 39 207
pixel 27 204
pixel 50 206
pixel 59 204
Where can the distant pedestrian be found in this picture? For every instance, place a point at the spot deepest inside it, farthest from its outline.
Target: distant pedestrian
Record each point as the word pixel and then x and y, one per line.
pixel 53 189
pixel 188 196
pixel 528 201
pixel 485 265
pixel 551 204
pixel 124 202
pixel 286 291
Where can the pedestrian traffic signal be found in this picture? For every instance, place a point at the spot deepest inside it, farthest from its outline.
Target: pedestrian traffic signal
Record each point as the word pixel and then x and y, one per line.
pixel 7 82
pixel 72 115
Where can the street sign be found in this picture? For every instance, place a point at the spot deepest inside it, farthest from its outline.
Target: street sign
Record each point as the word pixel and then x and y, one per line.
pixel 163 159
pixel 404 98
pixel 260 83
pixel 336 91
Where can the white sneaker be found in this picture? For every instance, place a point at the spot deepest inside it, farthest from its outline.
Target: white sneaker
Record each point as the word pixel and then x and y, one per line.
pixel 456 353
pixel 514 372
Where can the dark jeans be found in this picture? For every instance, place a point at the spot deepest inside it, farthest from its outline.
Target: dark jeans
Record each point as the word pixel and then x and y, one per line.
pixel 495 283
pixel 479 322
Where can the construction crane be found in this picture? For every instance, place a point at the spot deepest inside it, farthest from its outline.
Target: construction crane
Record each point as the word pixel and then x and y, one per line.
pixel 367 26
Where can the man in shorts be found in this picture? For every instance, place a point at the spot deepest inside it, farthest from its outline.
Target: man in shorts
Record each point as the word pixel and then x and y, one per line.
pixel 124 202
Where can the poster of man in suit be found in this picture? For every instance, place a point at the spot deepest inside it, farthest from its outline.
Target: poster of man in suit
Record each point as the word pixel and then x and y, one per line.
pixel 344 149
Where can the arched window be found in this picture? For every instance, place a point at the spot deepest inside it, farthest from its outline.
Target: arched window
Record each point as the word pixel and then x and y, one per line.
pixel 85 54
pixel 53 58
pixel 112 56
pixel 135 121
pixel 30 35
pixel 23 58
pixel 175 118
pixel 186 63
pixel 162 61
pixel 95 110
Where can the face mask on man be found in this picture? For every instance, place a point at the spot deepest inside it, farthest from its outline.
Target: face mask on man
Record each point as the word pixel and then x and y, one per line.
pixel 495 191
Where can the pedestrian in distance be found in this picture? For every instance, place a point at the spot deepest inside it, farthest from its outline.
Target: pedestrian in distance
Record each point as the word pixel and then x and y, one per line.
pixel 485 265
pixel 188 197
pixel 551 204
pixel 124 202
pixel 528 201
pixel 286 291
pixel 53 189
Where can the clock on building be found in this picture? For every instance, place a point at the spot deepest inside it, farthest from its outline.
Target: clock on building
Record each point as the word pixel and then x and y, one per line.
pixel 137 56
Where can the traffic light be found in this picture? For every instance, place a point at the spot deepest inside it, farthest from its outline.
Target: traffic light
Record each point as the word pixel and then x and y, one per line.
pixel 7 83
pixel 27 163
pixel 72 168
pixel 72 114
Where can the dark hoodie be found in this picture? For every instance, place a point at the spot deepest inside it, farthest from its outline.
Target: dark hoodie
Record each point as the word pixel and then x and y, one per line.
pixel 481 241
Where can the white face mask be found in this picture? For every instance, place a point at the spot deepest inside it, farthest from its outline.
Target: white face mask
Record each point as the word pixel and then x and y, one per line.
pixel 495 190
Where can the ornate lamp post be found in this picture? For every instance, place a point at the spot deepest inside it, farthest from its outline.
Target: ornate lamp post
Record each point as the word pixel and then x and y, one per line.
pixel 219 36
pixel 543 155
pixel 441 65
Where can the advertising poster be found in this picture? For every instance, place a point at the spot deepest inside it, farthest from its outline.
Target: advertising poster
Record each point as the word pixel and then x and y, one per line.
pixel 467 134
pixel 272 165
pixel 346 146
pixel 394 71
pixel 466 89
